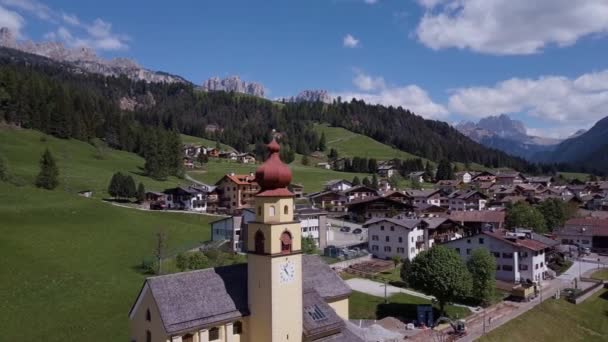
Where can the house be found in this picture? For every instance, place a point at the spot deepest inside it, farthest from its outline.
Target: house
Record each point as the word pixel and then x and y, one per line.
pixel 188 162
pixel 232 229
pixel 464 176
pixel 475 221
pixel 338 185
pixel 518 258
pixel 212 128
pixel 509 178
pixel 332 201
pixel 424 210
pixel 86 193
pixel 278 295
pixel 545 181
pixel 579 190
pixel 384 185
pixel 467 200
pixel 324 165
pixel 425 196
pixel 448 186
pixel 186 198
pixel 387 170
pixel 376 207
pixel 359 192
pixel 297 189
pixel 398 196
pixel 417 176
pixel 213 152
pixel 484 177
pixel 585 232
pixel 245 158
pixel 392 237
pixel 313 223
pixel 230 155
pixel 441 230
pixel 237 191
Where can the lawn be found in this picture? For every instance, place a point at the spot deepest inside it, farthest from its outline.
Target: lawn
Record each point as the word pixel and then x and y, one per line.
pixel 558 320
pixel 312 178
pixel 189 139
pixel 69 264
pixel 601 274
pixel 401 305
pixel 82 166
pixel 583 177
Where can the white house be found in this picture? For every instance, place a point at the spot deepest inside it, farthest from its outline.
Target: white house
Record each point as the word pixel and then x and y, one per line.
pixel 338 185
pixel 417 176
pixel 387 170
pixel 518 258
pixel 391 237
pixel 231 229
pixel 186 198
pixel 313 223
pixel 467 200
pixel 464 176
pixel 432 197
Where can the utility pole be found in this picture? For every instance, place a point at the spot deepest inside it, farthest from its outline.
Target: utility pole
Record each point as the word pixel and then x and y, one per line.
pixel 385 296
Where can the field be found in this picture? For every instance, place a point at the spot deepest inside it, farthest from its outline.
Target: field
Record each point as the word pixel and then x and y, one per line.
pixel 312 178
pixel 583 177
pixel 70 264
pixel 349 144
pixel 82 166
pixel 188 139
pixel 364 306
pixel 558 320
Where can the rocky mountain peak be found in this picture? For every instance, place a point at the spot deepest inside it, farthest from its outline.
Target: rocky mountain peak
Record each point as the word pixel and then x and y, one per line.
pixel 234 84
pixel 312 95
pixel 7 38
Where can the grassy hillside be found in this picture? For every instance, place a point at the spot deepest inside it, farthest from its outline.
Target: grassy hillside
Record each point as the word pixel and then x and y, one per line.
pixel 73 262
pixel 558 320
pixel 312 178
pixel 81 165
pixel 188 139
pixel 349 144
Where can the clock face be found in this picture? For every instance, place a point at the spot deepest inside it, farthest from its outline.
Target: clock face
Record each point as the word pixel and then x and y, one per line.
pixel 287 271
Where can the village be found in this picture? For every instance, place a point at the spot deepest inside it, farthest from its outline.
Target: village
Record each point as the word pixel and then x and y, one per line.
pixel 367 232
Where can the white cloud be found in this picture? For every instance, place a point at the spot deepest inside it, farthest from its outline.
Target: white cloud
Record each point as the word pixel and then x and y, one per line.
pixel 509 27
pixel 350 41
pixel 97 35
pixel 574 102
pixel 412 97
pixel 12 20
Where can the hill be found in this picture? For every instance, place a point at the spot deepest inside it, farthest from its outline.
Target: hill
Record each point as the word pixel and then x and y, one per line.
pixel 73 262
pixel 188 139
pixel 82 166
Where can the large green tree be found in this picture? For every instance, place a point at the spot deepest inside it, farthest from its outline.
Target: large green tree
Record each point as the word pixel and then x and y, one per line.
pixel 48 177
pixel 440 272
pixel 482 267
pixel 555 212
pixel 308 245
pixel 524 215
pixel 141 193
pixel 444 170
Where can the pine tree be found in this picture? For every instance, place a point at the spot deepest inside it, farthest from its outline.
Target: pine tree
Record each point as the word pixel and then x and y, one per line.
pixel 356 181
pixel 114 188
pixel 48 178
pixel 141 193
pixel 428 172
pixel 305 160
pixel 366 181
pixel 128 187
pixel 322 142
pixel 374 184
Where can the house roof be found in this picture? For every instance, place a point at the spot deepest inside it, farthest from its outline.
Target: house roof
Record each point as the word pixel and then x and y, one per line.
pixel 421 193
pixel 360 188
pixel 421 207
pixel 407 223
pixel 434 222
pixel 374 199
pixel 239 179
pixel 466 194
pixel 520 242
pixel 417 173
pixel 319 318
pixel 336 181
pixel 189 300
pixel 478 216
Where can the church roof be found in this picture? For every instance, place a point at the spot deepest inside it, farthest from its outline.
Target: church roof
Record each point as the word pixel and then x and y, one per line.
pixel 203 298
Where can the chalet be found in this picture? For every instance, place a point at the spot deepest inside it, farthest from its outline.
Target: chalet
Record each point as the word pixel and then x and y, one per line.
pixel 467 200
pixel 424 210
pixel 464 176
pixel 448 186
pixel 425 196
pixel 440 230
pixel 313 223
pixel 477 220
pixel 376 207
pixel 359 192
pixel 237 191
pixel 230 155
pixel 484 177
pixel 384 185
pixel 518 258
pixel 324 165
pixel 579 190
pixel 186 198
pixel 332 201
pixel 338 185
pixel 509 178
pixel 398 196
pixel 192 151
pixel 188 163
pixel 387 170
pixel 212 128
pixel 232 229
pixel 297 190
pixel 152 196
pixel 86 193
pixel 597 202
pixel 245 158
pixel 585 232
pixel 544 181
pixel 417 176
pixel 527 190
pixel 213 152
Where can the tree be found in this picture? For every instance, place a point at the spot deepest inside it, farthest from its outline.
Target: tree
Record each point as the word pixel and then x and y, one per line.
pixel 48 178
pixel 305 160
pixel 3 170
pixel 322 142
pixel 128 187
pixel 356 181
pixel 444 170
pixel 308 245
pixel 181 261
pixel 115 186
pixel 160 248
pixel 374 184
pixel 202 158
pixel 333 154
pixel 440 272
pixel 555 212
pixel 406 265
pixel 482 267
pixel 523 215
pixel 197 261
pixel 366 182
pixel 394 180
pixel 141 193
pixel 396 260
pixel 428 172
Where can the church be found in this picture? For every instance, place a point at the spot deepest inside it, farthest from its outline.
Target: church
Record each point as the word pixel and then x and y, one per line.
pixel 279 295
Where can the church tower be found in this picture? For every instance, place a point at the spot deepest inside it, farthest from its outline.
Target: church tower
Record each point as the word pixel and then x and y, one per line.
pixel 274 257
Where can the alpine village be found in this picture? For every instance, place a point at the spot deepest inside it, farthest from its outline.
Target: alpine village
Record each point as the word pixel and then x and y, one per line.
pixel 136 205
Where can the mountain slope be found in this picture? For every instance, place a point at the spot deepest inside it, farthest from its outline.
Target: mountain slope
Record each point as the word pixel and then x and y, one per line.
pixel 508 135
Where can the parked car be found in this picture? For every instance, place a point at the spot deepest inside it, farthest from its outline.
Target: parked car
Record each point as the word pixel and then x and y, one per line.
pixel 357 231
pixel 345 229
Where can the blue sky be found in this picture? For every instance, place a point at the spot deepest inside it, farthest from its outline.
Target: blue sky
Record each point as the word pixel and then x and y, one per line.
pixel 542 61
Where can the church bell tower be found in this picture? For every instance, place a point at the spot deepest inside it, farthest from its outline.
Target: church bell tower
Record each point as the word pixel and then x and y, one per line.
pixel 274 257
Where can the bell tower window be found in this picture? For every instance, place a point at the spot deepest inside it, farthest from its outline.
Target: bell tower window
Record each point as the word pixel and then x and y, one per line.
pixel 259 242
pixel 272 210
pixel 285 242
pixel 286 210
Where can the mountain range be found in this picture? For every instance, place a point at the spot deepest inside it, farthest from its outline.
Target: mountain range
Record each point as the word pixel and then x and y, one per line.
pixel 233 84
pixel 508 135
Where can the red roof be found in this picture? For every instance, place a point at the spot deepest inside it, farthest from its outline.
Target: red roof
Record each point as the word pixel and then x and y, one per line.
pixel 241 179
pixel 589 226
pixel 478 216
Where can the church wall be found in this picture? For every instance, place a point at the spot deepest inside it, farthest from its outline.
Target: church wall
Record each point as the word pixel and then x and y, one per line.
pixel 139 325
pixel 340 307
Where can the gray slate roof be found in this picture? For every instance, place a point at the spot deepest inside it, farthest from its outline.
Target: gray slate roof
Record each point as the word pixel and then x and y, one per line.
pixel 407 223
pixel 319 319
pixel 318 275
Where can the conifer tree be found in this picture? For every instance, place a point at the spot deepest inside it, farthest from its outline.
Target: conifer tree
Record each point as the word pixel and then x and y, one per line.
pixel 114 188
pixel 374 184
pixel 322 142
pixel 128 187
pixel 48 178
pixel 141 193
pixel 305 160
pixel 366 181
pixel 356 181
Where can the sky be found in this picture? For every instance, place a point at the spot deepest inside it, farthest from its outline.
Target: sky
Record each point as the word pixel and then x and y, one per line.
pixel 543 62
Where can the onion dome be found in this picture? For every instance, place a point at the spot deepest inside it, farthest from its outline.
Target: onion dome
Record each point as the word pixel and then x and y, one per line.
pixel 273 175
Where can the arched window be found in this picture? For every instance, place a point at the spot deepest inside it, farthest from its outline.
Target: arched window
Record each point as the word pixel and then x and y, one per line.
pixel 148 316
pixel 286 242
pixel 188 338
pixel 259 242
pixel 272 210
pixel 237 328
pixel 285 210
